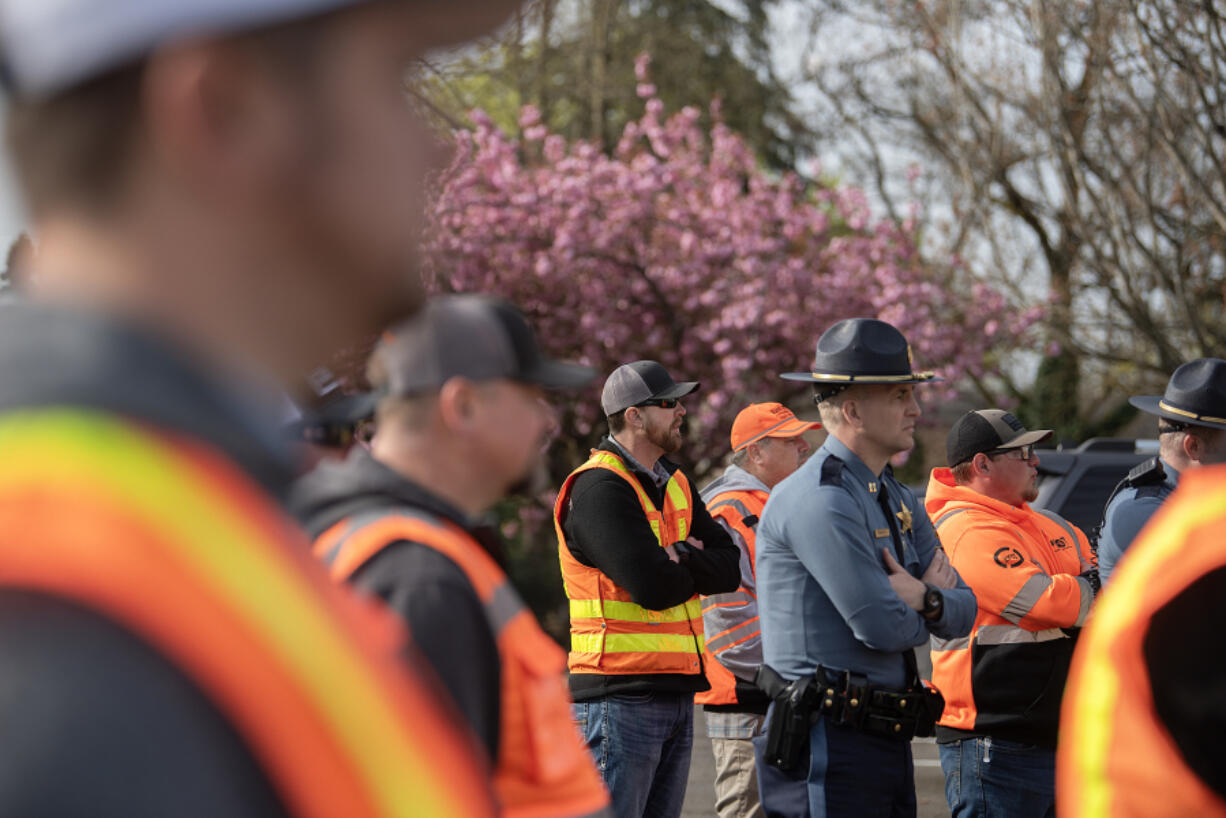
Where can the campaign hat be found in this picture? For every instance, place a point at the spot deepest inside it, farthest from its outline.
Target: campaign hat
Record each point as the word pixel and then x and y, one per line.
pixel 1195 395
pixel 862 350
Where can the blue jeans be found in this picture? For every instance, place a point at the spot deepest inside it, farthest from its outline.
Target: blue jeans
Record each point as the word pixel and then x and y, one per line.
pixel 992 778
pixel 641 743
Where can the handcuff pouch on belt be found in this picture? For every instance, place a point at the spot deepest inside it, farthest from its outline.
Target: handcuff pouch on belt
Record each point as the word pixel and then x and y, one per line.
pixel 848 700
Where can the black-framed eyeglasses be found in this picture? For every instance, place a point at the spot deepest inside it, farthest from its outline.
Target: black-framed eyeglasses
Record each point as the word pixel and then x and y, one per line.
pixel 1017 453
pixel 663 403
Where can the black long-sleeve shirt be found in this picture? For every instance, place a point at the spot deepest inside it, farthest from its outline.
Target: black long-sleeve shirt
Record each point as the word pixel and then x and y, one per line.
pixel 606 529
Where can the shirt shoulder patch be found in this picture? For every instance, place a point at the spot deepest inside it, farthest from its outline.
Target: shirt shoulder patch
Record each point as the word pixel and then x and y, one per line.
pixel 832 471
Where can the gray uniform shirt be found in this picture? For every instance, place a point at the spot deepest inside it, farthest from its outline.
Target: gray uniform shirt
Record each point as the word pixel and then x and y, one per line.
pixel 823 591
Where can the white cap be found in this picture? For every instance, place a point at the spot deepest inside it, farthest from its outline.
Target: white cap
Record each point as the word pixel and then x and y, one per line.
pixel 48 46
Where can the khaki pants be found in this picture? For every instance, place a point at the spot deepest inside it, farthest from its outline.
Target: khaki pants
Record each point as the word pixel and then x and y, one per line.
pixel 736 783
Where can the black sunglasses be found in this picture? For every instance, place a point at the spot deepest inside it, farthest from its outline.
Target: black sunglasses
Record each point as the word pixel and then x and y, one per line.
pixel 663 403
pixel 1023 452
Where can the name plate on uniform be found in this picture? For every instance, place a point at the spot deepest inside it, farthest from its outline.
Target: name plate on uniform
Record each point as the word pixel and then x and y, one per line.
pixel 881 532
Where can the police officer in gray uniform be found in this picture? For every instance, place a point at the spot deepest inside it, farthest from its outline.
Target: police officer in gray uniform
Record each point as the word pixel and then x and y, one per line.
pixel 851 579
pixel 1191 419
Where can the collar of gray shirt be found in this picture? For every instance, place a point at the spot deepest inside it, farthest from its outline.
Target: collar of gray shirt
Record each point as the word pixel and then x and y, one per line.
pixel 658 473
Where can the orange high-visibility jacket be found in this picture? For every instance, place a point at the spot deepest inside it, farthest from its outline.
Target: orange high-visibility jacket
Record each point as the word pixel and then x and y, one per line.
pixel 543 769
pixel 609 633
pixel 733 507
pixel 1116 759
pixel 1006 677
pixel 168 539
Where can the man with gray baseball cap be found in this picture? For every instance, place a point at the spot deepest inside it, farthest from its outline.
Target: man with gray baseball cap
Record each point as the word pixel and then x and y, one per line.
pixel 225 193
pixel 461 421
pixel 637 546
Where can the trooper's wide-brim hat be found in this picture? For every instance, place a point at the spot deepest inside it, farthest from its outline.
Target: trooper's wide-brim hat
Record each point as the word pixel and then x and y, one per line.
pixel 1195 394
pixel 862 350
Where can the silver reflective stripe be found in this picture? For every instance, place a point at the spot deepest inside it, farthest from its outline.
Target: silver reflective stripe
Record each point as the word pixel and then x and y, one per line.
pixel 735 635
pixel 733 598
pixel 951 644
pixel 1013 635
pixel 731 501
pixel 944 518
pixel 1025 600
pixel 503 607
pixel 1063 523
pixel 352 524
pixel 1087 599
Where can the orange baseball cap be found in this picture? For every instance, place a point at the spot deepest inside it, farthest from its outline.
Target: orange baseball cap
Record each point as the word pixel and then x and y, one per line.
pixel 759 420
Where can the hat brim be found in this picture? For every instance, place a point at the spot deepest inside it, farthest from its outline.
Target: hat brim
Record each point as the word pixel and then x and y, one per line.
pixel 1027 439
pixel 851 380
pixel 1152 404
pixel 793 428
pixel 346 410
pixel 559 375
pixel 677 390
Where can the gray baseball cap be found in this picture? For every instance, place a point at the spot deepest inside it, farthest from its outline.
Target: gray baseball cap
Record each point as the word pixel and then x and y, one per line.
pixel 477 337
pixel 631 384
pixel 987 430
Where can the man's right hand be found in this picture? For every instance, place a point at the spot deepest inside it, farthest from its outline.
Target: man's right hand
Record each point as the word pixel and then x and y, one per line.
pixel 909 589
pixel 940 573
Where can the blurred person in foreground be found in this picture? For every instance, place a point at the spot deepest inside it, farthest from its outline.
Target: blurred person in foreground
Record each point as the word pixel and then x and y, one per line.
pixel 1143 716
pixel 1191 433
pixel 768 444
pixel 1033 576
pixel 462 422
pixel 224 193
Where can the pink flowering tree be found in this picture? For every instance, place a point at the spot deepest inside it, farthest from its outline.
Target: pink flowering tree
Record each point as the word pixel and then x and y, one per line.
pixel 680 248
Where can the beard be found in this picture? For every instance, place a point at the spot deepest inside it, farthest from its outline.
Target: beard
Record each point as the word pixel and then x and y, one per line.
pixel 1031 492
pixel 666 438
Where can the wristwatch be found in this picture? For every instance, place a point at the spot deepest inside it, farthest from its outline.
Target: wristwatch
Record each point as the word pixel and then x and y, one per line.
pixel 934 602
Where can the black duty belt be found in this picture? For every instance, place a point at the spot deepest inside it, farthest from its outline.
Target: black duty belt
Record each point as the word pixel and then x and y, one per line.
pixel 845 699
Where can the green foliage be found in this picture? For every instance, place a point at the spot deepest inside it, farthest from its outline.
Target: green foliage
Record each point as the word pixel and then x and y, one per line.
pixel 574 60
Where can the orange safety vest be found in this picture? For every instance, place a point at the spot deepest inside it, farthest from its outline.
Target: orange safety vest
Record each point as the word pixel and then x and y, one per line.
pixel 543 768
pixel 609 633
pixel 1115 757
pixel 733 507
pixel 167 538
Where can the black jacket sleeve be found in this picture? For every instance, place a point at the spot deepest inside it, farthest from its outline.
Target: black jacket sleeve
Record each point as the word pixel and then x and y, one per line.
pixel 606 529
pixel 449 628
pixel 98 724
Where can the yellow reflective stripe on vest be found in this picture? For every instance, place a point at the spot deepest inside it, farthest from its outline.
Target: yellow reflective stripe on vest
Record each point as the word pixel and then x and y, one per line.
pixel 230 553
pixel 675 495
pixel 1093 737
pixel 613 610
pixel 635 643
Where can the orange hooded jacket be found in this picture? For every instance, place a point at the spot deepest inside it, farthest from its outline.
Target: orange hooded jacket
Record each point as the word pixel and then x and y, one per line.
pixel 1006 678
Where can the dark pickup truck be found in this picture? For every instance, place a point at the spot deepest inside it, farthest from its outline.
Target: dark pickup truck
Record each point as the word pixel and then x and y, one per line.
pixel 1076 483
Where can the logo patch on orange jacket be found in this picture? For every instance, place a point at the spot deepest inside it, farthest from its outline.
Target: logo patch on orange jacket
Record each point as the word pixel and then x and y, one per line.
pixel 1008 557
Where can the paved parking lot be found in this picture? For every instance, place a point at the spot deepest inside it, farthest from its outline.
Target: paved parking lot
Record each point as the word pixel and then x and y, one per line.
pixel 700 793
